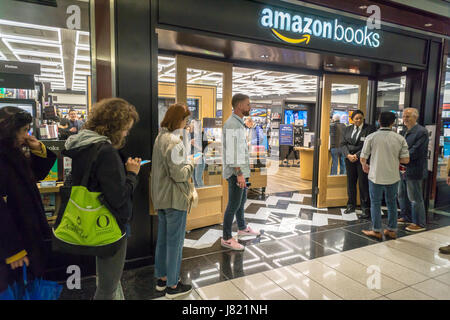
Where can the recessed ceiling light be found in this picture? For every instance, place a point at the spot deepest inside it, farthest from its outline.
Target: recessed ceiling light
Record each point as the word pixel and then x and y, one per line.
pixel 264 56
pixel 428 24
pixel 363 7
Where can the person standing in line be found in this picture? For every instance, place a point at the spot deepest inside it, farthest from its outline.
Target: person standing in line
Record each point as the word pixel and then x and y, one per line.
pixel 410 189
pixel 336 130
pixel 446 249
pixel 386 149
pixel 23 226
pixel 236 169
pixel 111 174
pixel 172 198
pixel 352 144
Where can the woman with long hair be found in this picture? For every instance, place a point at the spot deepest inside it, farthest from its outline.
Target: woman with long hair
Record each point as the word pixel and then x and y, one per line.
pixel 23 226
pixel 111 174
pixel 171 195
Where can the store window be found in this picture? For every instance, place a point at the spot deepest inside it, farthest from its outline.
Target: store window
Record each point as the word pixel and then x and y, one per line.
pixel 442 199
pixel 45 68
pixel 391 97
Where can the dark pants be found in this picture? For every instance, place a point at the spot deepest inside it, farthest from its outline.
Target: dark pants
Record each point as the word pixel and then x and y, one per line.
pixel 236 201
pixel 356 174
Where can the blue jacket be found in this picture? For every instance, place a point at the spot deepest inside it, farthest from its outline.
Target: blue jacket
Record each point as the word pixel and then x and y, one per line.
pixel 417 139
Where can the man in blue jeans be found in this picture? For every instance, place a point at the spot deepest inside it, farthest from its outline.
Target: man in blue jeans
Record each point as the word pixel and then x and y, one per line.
pixel 386 149
pixel 410 190
pixel 236 169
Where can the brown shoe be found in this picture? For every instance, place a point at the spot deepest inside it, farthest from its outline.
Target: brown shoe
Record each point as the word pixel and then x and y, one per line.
pixel 390 234
pixel 415 228
pixel 445 250
pixel 372 233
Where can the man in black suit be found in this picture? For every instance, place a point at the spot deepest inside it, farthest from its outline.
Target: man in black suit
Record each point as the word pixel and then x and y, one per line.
pixel 352 144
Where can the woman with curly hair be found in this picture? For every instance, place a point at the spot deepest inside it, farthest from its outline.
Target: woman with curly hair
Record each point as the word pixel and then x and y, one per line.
pixel 23 226
pixel 110 174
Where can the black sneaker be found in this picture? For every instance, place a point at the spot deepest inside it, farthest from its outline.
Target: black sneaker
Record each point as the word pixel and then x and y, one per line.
pixel 161 285
pixel 180 290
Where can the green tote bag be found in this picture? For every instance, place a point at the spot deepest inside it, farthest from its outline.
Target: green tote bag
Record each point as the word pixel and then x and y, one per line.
pixel 87 227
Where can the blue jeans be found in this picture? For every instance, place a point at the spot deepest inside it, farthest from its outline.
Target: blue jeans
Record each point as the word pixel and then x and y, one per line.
pixel 411 201
pixel 198 174
pixel 169 245
pixel 236 201
pixel 390 194
pixel 337 156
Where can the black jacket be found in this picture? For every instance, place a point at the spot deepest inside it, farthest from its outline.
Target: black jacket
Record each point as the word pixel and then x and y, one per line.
pixel 23 225
pixel 108 176
pixel 348 146
pixel 336 133
pixel 417 139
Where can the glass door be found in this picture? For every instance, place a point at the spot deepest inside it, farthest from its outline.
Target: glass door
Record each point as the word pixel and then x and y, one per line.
pixel 341 95
pixel 205 87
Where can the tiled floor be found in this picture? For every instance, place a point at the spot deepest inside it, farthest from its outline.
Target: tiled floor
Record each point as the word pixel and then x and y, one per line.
pixel 324 261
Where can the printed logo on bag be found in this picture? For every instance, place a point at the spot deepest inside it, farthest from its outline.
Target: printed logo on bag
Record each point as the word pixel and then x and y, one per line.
pixel 103 221
pixel 306 27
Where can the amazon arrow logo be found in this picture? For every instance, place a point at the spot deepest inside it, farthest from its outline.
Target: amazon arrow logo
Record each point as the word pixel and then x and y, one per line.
pixel 305 38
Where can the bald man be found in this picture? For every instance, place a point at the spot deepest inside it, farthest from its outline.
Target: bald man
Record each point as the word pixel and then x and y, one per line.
pixel 410 188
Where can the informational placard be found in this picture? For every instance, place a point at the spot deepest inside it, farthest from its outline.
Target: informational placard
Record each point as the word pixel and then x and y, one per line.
pixel 286 135
pixel 431 140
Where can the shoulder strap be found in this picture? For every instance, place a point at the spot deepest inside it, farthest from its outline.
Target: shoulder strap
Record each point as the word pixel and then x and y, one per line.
pixel 93 154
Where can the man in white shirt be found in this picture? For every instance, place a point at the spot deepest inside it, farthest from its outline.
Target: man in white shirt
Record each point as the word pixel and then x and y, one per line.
pixel 386 149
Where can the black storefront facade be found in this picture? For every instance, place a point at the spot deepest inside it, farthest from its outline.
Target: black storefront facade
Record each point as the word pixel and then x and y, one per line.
pixel 337 44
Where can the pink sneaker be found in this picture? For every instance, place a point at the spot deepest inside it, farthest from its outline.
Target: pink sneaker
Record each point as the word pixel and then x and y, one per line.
pixel 232 244
pixel 248 232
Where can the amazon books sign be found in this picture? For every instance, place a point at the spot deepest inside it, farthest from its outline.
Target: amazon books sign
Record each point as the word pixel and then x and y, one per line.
pixel 307 28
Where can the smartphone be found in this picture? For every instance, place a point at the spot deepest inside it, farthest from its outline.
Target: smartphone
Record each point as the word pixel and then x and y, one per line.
pixel 198 154
pixel 144 162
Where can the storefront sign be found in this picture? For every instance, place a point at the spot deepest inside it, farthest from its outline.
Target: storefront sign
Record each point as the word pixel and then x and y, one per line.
pixel 286 135
pixel 309 26
pixel 20 67
pixel 431 140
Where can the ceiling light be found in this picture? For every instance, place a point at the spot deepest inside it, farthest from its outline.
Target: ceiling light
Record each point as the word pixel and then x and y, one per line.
pixel 428 24
pixel 363 7
pixel 264 56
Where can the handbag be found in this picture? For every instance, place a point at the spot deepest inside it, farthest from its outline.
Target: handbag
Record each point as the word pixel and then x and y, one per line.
pixel 37 289
pixel 87 227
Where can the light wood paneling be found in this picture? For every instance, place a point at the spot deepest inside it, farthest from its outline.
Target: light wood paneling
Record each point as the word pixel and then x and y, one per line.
pixel 204 216
pixel 206 95
pixel 333 189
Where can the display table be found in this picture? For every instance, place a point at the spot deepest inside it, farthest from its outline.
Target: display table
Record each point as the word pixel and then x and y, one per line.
pixel 306 162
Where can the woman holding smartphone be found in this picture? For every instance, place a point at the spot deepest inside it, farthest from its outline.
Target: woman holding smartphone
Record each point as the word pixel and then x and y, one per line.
pixel 23 226
pixel 171 195
pixel 114 176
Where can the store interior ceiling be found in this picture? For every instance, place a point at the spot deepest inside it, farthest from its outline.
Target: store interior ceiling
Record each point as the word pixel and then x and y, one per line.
pixel 261 84
pixel 64 54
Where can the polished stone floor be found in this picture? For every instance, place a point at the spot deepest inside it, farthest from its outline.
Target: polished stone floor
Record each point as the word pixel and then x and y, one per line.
pixel 299 245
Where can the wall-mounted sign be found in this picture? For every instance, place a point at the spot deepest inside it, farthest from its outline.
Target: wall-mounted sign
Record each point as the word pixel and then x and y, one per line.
pixel 308 27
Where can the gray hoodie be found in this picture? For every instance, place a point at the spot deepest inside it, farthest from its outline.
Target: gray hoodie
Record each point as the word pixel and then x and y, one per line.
pixel 84 138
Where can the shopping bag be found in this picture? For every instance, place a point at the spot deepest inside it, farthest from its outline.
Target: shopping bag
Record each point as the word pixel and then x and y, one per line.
pixel 87 226
pixel 37 289
pixel 40 289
